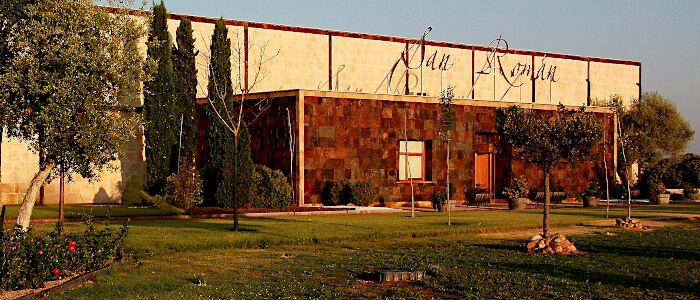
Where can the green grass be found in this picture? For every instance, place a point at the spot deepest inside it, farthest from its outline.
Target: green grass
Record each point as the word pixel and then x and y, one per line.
pixel 336 257
pixel 51 211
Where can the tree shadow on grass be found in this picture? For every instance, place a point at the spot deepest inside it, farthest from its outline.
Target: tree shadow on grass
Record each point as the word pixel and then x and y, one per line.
pixel 585 275
pixel 196 224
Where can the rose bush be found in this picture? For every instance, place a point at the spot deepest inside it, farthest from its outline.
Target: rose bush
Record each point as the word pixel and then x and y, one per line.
pixel 28 259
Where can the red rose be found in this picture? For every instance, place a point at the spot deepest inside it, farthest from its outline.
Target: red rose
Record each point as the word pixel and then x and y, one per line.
pixel 18 243
pixel 41 252
pixel 71 248
pixel 72 244
pixel 56 271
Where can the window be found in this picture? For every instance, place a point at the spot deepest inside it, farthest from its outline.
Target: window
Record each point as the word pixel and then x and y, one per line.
pixel 412 160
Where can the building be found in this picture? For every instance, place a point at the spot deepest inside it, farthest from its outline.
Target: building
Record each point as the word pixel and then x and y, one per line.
pixel 354 96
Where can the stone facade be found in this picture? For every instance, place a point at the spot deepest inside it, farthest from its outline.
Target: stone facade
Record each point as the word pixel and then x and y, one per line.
pixel 356 136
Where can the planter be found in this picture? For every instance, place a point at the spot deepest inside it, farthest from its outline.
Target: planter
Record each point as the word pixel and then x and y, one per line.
pixel 661 199
pixel 517 203
pixel 590 201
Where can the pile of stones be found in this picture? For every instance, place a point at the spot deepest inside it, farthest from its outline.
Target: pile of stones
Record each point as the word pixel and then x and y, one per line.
pixel 556 243
pixel 631 223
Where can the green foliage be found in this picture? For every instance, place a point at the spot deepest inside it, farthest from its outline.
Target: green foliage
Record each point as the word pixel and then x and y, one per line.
pixel 273 189
pixel 184 188
pixel 548 138
pixel 69 72
pixel 222 157
pixel 593 190
pixel 474 190
pixel 133 190
pixel 517 188
pixel 682 171
pixel 27 259
pixel 446 119
pixel 134 194
pixel 439 198
pixel 185 88
pixel 161 124
pixel 338 192
pixel 652 129
pixel 363 193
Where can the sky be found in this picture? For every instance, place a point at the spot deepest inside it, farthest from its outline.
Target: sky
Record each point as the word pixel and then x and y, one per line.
pixel 663 35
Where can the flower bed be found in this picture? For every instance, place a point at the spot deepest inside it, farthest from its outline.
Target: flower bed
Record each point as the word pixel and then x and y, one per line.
pixel 28 259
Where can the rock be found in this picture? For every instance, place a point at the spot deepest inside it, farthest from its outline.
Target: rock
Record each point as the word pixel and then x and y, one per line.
pixel 557 248
pixel 536 237
pixel 532 244
pixel 541 244
pixel 571 249
pixel 565 243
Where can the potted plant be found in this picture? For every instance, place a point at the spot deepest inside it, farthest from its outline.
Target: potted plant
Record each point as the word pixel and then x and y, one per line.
pixel 439 198
pixel 659 195
pixel 517 193
pixel 476 195
pixel 591 194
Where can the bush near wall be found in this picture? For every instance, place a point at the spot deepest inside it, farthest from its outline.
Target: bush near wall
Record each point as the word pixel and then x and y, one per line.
pixel 273 189
pixel 28 259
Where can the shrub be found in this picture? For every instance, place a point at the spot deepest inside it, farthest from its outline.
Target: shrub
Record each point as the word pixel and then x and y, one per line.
pixel 690 192
pixel 593 190
pixel 133 190
pixel 27 260
pixel 184 188
pixel 363 193
pixel 338 192
pixel 273 189
pixel 439 198
pixel 517 188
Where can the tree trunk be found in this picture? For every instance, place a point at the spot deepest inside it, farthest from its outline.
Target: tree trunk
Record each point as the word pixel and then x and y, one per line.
pixel 25 212
pixel 235 182
pixel 547 201
pixel 449 209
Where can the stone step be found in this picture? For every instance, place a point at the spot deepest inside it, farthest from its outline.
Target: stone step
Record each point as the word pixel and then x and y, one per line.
pixel 401 275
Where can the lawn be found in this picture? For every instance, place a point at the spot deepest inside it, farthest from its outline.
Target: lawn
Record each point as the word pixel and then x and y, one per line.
pixel 331 257
pixel 76 211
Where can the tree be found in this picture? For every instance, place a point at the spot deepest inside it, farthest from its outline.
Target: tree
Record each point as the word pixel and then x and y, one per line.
pixel 547 139
pixel 653 129
pixel 161 124
pixel 185 89
pixel 69 73
pixel 228 100
pixel 446 123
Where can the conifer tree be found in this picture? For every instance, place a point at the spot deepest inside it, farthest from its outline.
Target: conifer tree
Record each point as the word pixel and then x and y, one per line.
pixel 229 150
pixel 160 127
pixel 185 89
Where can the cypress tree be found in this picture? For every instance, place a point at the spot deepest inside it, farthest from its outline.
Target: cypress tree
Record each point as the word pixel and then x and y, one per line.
pixel 229 155
pixel 185 89
pixel 158 109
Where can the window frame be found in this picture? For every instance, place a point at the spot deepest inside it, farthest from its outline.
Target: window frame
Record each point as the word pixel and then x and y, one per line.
pixel 407 154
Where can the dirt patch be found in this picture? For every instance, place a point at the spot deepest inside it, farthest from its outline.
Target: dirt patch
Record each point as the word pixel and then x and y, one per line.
pixel 598 226
pixel 21 293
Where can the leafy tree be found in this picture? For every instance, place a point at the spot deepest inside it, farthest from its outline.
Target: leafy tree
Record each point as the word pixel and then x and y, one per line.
pixel 185 89
pixel 653 129
pixel 446 123
pixel 547 139
pixel 683 172
pixel 68 73
pixel 161 124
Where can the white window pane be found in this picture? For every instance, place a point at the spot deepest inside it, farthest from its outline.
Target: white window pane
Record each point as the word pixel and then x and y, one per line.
pixel 402 167
pixel 415 146
pixel 411 146
pixel 415 165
